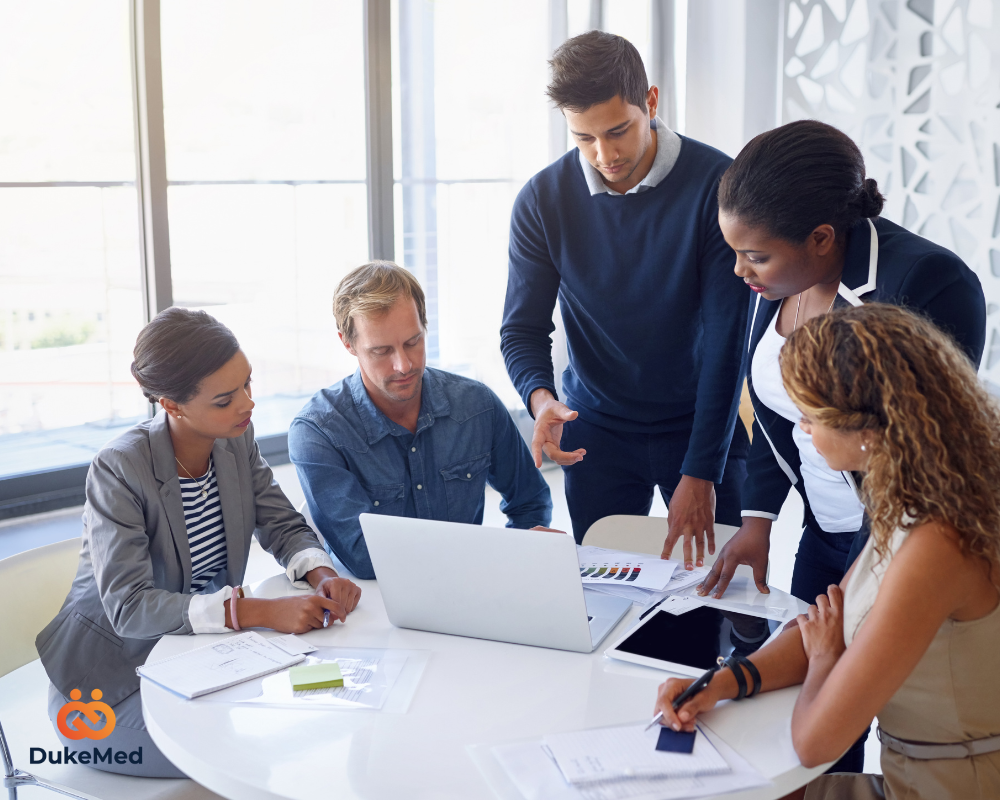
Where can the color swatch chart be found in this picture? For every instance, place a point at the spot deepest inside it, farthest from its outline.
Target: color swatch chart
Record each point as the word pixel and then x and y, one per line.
pixel 601 566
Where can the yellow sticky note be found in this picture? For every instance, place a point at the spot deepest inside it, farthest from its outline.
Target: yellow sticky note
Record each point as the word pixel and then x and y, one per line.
pixel 316 676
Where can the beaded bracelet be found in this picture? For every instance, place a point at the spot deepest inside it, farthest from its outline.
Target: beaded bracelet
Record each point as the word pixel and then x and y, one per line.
pixel 232 608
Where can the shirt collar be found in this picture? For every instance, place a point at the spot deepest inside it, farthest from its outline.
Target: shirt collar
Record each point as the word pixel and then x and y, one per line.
pixel 433 404
pixel 668 148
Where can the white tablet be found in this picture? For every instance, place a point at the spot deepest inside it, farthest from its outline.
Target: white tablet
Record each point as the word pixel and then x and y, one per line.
pixel 689 639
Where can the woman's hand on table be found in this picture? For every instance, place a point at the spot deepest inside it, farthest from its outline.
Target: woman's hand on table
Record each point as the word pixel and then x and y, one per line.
pixel 302 614
pixel 749 545
pixel 295 614
pixel 823 626
pixel 683 719
pixel 342 590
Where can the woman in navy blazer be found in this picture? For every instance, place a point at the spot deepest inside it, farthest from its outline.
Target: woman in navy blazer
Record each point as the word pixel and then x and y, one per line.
pixel 803 219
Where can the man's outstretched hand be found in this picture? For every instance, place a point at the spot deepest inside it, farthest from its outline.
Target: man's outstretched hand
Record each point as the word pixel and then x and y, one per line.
pixel 550 416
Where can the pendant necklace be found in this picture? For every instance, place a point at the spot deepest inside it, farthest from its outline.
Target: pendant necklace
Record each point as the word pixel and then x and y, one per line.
pixel 201 486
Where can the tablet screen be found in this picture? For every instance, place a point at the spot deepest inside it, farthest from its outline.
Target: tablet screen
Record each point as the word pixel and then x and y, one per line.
pixel 697 637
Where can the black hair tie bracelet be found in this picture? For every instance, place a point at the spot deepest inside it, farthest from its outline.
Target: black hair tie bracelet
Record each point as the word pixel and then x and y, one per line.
pixel 735 662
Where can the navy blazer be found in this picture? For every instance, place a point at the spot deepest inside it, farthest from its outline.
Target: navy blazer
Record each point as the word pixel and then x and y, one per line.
pixel 883 263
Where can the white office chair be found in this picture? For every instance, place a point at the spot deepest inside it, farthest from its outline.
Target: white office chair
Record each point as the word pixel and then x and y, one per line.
pixel 645 535
pixel 33 586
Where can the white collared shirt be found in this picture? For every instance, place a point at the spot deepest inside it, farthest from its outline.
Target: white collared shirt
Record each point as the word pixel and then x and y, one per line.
pixel 668 147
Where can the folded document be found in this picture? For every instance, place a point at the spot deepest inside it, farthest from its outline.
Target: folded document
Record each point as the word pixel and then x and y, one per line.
pixel 219 665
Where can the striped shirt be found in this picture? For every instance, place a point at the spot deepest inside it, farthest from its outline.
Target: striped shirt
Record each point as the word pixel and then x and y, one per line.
pixel 205 529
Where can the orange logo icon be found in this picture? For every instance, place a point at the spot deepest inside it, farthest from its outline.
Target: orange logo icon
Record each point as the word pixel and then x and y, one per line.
pixel 92 711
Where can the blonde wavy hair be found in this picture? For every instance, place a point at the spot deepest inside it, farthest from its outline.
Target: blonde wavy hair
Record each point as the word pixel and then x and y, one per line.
pixel 370 291
pixel 935 452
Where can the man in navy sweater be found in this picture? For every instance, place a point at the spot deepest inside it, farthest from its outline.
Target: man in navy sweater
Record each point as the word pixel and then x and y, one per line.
pixel 624 232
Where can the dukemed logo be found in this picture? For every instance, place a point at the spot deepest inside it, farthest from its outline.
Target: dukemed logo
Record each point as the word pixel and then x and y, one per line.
pixel 76 729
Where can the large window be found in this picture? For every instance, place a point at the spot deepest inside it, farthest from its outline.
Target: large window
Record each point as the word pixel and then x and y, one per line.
pixel 265 142
pixel 472 126
pixel 266 131
pixel 471 122
pixel 70 301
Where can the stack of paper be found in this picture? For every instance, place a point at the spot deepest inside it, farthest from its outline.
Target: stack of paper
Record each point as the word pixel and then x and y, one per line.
pixel 611 754
pixel 643 579
pixel 532 768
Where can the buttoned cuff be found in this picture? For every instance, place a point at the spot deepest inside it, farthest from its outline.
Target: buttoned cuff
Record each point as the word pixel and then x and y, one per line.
pixel 761 514
pixel 305 561
pixel 207 612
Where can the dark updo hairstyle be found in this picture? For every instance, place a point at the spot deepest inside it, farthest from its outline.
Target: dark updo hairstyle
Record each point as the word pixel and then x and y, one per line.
pixel 793 179
pixel 177 351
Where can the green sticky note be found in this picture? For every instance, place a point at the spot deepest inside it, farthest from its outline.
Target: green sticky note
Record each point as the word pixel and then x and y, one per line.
pixel 316 676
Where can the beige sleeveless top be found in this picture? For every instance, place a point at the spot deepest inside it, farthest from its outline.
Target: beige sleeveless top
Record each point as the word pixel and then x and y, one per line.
pixel 952 695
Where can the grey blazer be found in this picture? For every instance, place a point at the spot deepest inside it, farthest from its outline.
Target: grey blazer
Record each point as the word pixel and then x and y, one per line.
pixel 133 582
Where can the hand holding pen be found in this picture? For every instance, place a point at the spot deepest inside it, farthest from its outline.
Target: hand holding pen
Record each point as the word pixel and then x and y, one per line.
pixel 692 689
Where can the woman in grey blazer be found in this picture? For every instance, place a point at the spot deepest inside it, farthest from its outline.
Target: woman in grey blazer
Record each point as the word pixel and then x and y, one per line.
pixel 171 506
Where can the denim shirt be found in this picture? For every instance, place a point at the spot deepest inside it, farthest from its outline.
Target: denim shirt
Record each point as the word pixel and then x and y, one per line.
pixel 352 459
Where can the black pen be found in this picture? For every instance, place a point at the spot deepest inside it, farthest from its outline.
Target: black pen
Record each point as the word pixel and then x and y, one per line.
pixel 652 608
pixel 687 694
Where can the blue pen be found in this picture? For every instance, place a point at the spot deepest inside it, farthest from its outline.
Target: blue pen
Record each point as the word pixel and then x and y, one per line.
pixel 326 617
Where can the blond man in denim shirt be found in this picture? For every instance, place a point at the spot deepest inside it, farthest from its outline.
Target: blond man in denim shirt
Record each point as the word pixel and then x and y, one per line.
pixel 402 439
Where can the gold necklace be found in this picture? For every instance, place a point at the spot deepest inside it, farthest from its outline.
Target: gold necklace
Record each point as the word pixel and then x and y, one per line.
pixel 201 486
pixel 798 305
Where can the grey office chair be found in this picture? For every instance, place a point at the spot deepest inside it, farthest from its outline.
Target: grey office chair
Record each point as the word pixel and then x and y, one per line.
pixel 32 588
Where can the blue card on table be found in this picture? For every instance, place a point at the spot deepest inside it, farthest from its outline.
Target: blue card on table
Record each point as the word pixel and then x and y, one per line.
pixel 672 741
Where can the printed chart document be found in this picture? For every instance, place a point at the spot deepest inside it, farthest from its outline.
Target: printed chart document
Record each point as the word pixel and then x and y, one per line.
pixel 219 665
pixel 534 773
pixel 608 754
pixel 599 566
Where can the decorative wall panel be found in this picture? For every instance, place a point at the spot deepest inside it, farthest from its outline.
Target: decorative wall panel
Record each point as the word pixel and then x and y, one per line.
pixel 916 83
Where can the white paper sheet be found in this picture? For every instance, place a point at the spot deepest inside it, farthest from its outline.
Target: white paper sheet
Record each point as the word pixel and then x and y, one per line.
pixel 602 566
pixel 604 754
pixel 220 665
pixel 684 579
pixel 292 644
pixel 742 596
pixel 636 595
pixel 537 777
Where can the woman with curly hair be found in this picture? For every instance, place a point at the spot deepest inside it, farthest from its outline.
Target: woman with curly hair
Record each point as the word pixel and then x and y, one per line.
pixel 911 634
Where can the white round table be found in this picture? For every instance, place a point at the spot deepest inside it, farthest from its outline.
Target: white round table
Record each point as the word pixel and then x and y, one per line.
pixel 472 693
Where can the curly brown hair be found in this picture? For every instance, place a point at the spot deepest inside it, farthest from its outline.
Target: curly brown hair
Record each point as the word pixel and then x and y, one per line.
pixel 935 454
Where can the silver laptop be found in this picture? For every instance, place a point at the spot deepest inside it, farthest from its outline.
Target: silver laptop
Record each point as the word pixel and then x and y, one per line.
pixel 502 584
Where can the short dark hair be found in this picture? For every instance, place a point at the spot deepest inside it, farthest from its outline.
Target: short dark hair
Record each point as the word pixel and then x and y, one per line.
pixel 595 67
pixel 177 351
pixel 793 179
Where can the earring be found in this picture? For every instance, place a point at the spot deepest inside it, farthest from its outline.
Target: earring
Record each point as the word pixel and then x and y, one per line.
pixel 863 448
